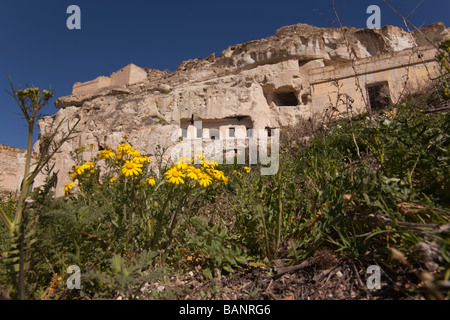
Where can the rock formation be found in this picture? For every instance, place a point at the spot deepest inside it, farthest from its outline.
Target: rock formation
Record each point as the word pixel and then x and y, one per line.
pixel 12 164
pixel 268 83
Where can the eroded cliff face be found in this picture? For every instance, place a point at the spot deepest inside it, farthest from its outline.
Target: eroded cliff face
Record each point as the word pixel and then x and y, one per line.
pixel 263 83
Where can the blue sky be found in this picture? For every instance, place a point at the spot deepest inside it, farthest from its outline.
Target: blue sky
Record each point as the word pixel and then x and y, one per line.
pixel 36 46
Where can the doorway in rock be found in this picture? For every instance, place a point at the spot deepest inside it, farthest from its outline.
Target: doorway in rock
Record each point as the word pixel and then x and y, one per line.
pixel 379 95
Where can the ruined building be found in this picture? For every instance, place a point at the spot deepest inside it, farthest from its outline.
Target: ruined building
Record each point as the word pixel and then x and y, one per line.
pixel 269 83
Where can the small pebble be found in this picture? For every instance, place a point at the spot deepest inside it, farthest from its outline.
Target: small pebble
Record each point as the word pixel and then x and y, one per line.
pixel 160 288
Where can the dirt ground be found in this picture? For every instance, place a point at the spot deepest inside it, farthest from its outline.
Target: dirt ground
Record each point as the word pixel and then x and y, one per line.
pixel 323 277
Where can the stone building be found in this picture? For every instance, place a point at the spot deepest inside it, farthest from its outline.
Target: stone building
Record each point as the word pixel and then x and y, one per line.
pixel 12 169
pixel 262 84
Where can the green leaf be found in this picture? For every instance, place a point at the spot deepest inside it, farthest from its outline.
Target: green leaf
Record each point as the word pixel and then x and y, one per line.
pixel 116 264
pixel 257 264
pixel 207 272
pixel 4 217
pixel 228 268
pixel 230 259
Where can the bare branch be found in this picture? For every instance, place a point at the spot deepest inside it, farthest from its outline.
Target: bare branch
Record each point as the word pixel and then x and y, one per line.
pixel 47 153
pixel 412 25
pixel 352 57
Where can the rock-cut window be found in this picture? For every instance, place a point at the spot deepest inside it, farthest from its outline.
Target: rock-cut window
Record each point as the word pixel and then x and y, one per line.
pixel 286 99
pixel 379 95
pixel 232 132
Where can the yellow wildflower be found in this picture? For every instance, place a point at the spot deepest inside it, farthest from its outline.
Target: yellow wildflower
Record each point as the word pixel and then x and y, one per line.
pixel 90 165
pixel 225 180
pixel 151 181
pixel 173 175
pixel 390 114
pixel 68 187
pixel 135 153
pixel 79 170
pixel 247 169
pixel 131 168
pixel 217 174
pixel 193 173
pixel 199 155
pixel 186 160
pixel 205 180
pixel 124 148
pixel 182 164
pixel 112 180
pixel 141 159
pixel 106 154
pixel 209 164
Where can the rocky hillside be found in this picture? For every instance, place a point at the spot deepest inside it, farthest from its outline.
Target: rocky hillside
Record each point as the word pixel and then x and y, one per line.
pixel 241 83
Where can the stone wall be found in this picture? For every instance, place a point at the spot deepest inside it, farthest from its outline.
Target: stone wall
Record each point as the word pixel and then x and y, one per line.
pixel 12 162
pixel 91 86
pixel 128 75
pixel 403 72
pixel 12 167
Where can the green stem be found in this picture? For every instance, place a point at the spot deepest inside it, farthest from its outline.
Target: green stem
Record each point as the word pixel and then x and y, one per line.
pixel 125 204
pixel 280 210
pixel 133 193
pixel 411 173
pixel 160 217
pixel 25 183
pixel 19 212
pixel 173 219
pixel 21 283
pixel 266 235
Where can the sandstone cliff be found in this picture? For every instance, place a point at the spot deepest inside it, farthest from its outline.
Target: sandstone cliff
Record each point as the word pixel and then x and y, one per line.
pixel 267 83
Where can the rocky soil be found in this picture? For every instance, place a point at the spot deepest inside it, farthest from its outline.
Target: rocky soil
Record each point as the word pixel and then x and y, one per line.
pixel 323 277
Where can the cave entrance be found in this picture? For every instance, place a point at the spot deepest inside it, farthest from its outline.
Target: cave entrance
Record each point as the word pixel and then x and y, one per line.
pixel 285 99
